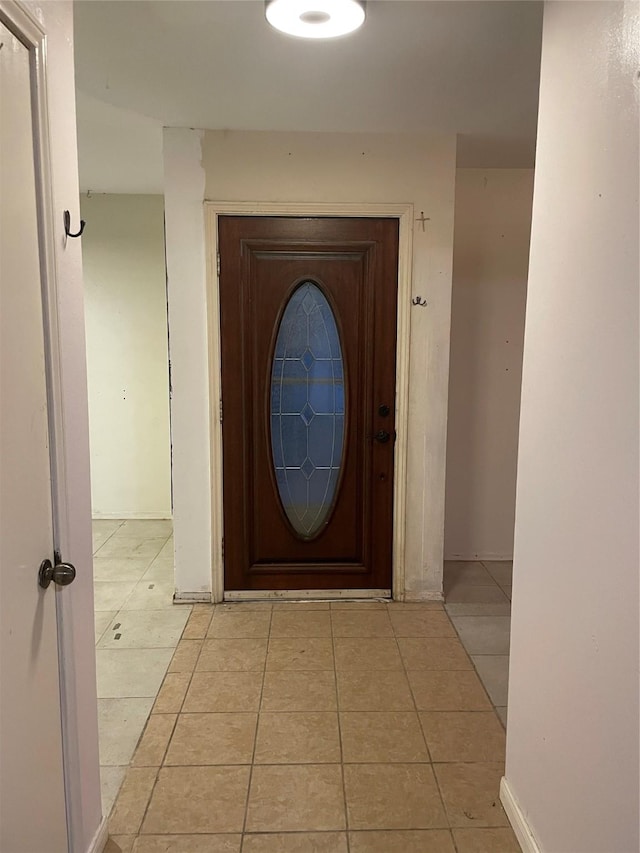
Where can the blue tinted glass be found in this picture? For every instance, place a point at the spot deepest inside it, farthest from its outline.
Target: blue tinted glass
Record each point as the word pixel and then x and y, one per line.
pixel 307 409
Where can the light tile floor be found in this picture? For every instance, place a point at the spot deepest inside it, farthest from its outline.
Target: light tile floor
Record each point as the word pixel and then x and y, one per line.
pixel 327 728
pixel 478 600
pixel 137 631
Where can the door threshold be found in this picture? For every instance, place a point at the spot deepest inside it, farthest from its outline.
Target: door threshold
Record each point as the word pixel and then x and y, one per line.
pixel 306 594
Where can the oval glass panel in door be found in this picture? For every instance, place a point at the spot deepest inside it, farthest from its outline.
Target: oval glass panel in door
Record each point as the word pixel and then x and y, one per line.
pixel 307 409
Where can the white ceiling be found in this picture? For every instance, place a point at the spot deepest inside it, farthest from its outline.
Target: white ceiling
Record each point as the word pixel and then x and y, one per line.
pixel 470 68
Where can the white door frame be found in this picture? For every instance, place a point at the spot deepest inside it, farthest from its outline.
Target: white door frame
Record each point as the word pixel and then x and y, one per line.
pixel 28 29
pixel 404 214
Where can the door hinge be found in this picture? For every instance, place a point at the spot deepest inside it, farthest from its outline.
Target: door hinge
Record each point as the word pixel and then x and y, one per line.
pixel 218 264
pixel 221 411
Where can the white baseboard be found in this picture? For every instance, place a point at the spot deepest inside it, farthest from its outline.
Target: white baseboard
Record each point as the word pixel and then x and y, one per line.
pixel 100 838
pixel 127 516
pixel 474 558
pixel 192 598
pixel 517 819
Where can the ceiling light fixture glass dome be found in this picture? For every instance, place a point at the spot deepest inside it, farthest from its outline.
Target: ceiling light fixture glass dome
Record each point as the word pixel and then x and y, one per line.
pixel 315 19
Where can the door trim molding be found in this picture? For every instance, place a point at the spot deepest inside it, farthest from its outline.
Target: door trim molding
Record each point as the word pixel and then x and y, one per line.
pixel 404 214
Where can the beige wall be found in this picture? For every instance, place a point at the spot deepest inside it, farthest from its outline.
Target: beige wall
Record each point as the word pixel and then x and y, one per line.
pixel 490 261
pixel 572 738
pixel 321 168
pixel 126 317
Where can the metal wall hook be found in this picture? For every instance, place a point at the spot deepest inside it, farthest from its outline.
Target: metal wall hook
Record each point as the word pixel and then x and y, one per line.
pixel 67 225
pixel 418 300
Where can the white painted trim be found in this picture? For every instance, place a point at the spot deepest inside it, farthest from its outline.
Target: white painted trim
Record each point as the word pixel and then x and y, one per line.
pixel 145 516
pixel 517 819
pixel 470 558
pixel 307 594
pixel 192 598
pixel 404 214
pixel 101 837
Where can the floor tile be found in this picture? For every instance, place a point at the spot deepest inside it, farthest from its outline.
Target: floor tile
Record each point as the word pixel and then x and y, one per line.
pixel 486 841
pixel 284 606
pixel 500 570
pixel 393 796
pixel 494 672
pixel 374 691
pixel 502 713
pixel 111 595
pixel 299 691
pixel 246 625
pixel 471 793
pixel 131 673
pixel 171 695
pixel 506 588
pixel 223 691
pixel 168 550
pixel 188 844
pixel 232 655
pixel 183 797
pixel 242 606
pixel 402 841
pixel 467 573
pixel 311 737
pixel 351 623
pixel 314 623
pixel 103 619
pixel 305 653
pixel 484 635
pixel 198 624
pixel 161 569
pixel 132 800
pixel 296 798
pixel 366 654
pixel 146 629
pixel 408 606
pixel 427 623
pixel 358 605
pixel 463 735
pixel 112 569
pixel 212 739
pixel 435 653
pixel 448 690
pixel 154 741
pixel 382 736
pixel 146 528
pixel 296 842
pixel 501 608
pixel 120 724
pixel 138 548
pixel 467 594
pixel 120 844
pixel 151 595
pixel 103 529
pixel 186 656
pixel 110 781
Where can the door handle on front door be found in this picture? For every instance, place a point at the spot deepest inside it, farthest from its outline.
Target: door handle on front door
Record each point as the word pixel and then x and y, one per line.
pixel 62 573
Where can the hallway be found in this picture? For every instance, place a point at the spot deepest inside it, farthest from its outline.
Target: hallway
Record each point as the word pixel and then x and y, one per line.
pixel 334 728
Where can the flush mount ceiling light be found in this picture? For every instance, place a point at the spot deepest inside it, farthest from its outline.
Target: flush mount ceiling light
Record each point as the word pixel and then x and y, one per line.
pixel 315 19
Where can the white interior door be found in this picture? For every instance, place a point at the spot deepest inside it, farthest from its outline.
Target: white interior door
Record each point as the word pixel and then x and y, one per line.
pixel 32 800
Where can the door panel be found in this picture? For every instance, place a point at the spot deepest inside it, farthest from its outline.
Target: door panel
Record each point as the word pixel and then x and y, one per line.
pixel 32 803
pixel 308 323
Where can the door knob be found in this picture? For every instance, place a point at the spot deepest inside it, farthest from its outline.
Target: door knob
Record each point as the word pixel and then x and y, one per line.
pixel 382 436
pixel 62 573
pixel 383 411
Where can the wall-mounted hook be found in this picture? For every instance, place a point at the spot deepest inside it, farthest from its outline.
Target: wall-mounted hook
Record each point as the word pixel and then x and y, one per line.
pixel 67 225
pixel 418 300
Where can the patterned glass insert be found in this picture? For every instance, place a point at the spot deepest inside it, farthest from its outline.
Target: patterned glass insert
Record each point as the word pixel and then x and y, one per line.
pixel 307 409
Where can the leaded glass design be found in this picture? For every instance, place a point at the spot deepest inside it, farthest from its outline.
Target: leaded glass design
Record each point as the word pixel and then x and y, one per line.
pixel 307 409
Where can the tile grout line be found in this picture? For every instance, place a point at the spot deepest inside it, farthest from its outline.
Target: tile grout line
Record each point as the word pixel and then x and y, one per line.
pixel 255 738
pixel 342 773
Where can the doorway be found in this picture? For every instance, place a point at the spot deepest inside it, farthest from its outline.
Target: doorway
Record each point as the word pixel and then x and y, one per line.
pixel 308 379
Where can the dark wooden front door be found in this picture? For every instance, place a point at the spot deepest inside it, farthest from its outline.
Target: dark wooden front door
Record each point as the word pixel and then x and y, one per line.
pixel 308 331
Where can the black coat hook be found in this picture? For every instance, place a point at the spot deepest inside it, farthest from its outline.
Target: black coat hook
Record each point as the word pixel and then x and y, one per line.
pixel 67 225
pixel 419 301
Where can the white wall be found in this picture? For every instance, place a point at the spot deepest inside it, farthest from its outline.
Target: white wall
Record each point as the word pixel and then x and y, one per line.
pixel 490 263
pixel 572 740
pixel 126 316
pixel 297 167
